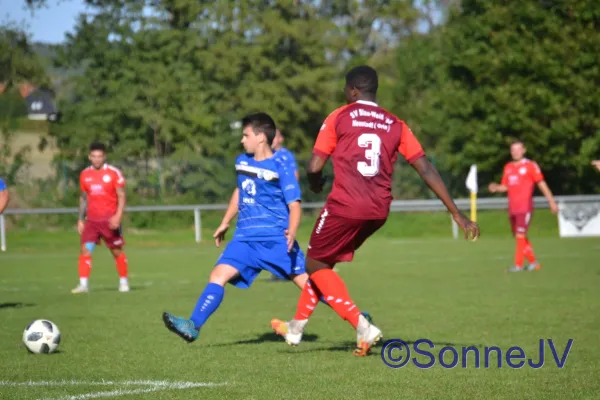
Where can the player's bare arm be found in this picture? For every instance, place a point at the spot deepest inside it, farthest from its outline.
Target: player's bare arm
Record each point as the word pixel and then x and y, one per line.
pixel 432 178
pixel 497 188
pixel 4 197
pixel 314 173
pixel 115 220
pixel 543 186
pixel 82 211
pixel 230 213
pixel 293 224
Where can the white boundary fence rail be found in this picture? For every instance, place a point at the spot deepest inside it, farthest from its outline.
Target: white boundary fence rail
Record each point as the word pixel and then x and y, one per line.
pixel 397 206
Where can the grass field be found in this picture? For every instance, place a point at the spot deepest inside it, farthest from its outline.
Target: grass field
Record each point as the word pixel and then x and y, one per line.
pixel 454 293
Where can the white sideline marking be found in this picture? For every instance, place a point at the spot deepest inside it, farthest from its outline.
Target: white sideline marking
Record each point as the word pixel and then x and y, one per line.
pixel 153 386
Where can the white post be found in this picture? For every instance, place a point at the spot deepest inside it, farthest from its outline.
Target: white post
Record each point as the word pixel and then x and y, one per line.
pixel 2 233
pixel 198 225
pixel 454 228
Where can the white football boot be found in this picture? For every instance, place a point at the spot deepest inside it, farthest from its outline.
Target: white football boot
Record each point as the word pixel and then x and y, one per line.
pixel 367 336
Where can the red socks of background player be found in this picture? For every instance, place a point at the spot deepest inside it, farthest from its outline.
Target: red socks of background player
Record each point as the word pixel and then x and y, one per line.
pixel 523 250
pixel 85 265
pixel 334 290
pixel 528 252
pixel 520 251
pixel 121 263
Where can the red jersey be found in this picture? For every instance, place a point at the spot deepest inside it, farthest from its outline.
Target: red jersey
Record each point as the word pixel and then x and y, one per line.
pixel 101 187
pixel 520 178
pixel 363 141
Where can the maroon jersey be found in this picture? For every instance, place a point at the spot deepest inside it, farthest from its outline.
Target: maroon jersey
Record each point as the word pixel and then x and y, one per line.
pixel 363 141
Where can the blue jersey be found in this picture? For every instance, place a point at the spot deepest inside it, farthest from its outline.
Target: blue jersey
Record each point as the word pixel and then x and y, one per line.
pixel 266 188
pixel 288 158
pixel 2 185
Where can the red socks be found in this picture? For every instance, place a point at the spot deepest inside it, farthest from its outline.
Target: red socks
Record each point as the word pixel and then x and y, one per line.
pixel 334 290
pixel 121 262
pixel 523 250
pixel 520 251
pixel 528 252
pixel 307 302
pixel 85 265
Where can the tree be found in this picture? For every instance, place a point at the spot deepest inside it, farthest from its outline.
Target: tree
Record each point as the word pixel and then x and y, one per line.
pixel 525 69
pixel 18 65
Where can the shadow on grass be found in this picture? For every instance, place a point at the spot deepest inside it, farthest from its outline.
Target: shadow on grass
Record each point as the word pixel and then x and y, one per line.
pixel 348 346
pixel 16 305
pixel 264 338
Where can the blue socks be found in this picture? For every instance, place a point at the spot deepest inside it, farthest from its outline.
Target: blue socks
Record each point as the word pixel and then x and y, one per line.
pixel 209 301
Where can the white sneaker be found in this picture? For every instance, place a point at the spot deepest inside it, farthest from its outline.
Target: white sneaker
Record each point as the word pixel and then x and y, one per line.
pixel 124 287
pixel 283 328
pixel 367 336
pixel 80 289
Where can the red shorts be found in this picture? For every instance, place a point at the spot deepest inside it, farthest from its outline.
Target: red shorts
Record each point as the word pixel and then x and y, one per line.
pixel 93 231
pixel 335 239
pixel 519 223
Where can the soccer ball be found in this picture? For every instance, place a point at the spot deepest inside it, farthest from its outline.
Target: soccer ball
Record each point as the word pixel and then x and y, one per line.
pixel 41 337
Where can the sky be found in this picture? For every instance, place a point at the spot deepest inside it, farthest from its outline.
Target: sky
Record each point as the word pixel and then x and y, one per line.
pixel 48 24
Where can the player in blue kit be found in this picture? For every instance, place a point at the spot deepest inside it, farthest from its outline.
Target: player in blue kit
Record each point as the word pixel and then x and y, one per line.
pixel 290 161
pixel 267 199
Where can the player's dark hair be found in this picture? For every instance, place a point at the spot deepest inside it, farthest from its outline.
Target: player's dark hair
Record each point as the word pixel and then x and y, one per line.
pixel 517 141
pixel 363 78
pixel 261 123
pixel 97 146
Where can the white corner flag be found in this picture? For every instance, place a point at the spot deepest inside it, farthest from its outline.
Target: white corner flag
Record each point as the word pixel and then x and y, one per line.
pixel 472 186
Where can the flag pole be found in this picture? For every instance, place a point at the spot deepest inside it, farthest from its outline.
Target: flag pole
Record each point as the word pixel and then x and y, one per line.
pixel 471 184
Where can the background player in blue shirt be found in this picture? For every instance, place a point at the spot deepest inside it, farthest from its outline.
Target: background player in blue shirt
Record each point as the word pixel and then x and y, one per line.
pixel 283 153
pixel 288 159
pixel 3 196
pixel 267 198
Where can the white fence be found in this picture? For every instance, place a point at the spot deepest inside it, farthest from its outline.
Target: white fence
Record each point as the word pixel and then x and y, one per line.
pixel 397 206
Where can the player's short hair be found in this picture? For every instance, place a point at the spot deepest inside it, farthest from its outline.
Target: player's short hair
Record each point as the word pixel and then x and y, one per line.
pixel 363 78
pixel 517 141
pixel 261 122
pixel 97 146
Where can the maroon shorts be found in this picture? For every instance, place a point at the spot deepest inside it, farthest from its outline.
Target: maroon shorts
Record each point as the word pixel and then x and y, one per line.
pixel 93 231
pixel 519 223
pixel 335 239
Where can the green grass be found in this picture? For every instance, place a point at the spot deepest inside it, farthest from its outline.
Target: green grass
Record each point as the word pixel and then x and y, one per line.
pixel 451 292
pixel 494 223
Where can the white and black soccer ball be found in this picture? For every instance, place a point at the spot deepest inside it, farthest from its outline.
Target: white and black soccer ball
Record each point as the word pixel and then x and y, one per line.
pixel 41 337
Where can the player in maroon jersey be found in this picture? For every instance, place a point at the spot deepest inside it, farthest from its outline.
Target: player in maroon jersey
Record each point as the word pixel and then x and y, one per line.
pixel 363 141
pixel 519 179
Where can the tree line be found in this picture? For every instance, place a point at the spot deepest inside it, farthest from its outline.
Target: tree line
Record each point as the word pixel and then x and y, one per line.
pixel 162 82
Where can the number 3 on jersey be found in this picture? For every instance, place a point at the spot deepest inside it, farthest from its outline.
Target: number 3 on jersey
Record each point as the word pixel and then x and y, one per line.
pixel 373 144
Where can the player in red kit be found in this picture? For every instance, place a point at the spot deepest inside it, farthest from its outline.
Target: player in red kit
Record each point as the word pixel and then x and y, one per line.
pixel 101 208
pixel 519 180
pixel 363 141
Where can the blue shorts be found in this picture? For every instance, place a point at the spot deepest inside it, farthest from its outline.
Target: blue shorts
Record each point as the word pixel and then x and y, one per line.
pixel 250 258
